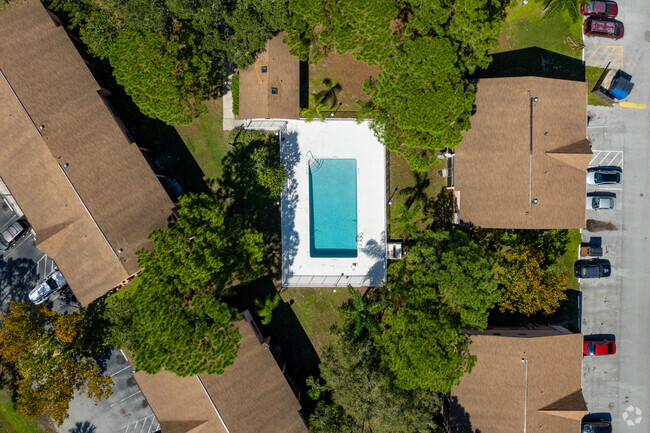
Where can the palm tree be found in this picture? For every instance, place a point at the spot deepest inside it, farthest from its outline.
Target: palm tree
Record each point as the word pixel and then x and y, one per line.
pixel 417 192
pixel 330 92
pixel 555 7
pixel 315 109
pixel 361 314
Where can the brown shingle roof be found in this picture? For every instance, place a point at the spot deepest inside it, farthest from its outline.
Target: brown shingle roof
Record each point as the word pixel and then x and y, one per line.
pixel 283 73
pixel 106 173
pixel 492 170
pixel 251 396
pixel 492 398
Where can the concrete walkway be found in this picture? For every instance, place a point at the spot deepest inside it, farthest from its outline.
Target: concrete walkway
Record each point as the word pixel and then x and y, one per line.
pixel 229 121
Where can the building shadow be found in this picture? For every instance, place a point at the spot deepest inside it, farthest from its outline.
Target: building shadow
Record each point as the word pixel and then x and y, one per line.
pixel 297 356
pixel 290 153
pixel 533 61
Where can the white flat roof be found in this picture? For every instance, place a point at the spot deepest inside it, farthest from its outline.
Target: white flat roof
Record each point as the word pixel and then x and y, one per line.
pixel 333 139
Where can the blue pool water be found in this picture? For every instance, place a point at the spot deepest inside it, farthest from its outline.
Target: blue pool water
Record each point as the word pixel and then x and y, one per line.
pixel 333 208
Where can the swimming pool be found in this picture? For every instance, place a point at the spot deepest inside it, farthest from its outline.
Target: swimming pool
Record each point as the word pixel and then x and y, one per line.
pixel 333 208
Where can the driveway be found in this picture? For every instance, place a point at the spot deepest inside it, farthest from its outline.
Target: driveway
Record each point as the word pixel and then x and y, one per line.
pixel 619 306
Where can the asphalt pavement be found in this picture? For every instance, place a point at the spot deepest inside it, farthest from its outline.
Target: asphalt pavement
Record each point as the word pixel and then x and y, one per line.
pixel 618 307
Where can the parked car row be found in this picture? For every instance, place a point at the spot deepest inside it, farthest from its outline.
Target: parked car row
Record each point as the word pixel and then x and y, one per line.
pixel 600 20
pixel 52 283
pixel 607 175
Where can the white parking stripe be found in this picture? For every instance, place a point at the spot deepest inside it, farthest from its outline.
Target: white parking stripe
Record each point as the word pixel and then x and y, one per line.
pixel 118 372
pixel 126 398
pixel 22 241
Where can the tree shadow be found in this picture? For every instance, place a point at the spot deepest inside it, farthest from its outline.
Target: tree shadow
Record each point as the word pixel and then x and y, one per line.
pixel 83 427
pixel 290 152
pixel 288 338
pixel 159 143
pixel 533 61
pixel 239 189
pixel 418 192
pixel 458 420
pixel 439 210
pixel 17 278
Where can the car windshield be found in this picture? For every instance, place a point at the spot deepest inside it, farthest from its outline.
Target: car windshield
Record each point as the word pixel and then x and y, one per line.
pixel 607 177
pixel 52 283
pixel 591 349
pixel 596 203
pixel 599 6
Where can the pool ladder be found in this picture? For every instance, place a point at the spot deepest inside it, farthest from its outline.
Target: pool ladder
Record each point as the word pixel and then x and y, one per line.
pixel 314 164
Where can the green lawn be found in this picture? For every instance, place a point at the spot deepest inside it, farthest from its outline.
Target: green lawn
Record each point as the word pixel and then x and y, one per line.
pixel 593 75
pixel 315 308
pixel 401 177
pixel 206 140
pixel 526 26
pixel 567 260
pixel 13 422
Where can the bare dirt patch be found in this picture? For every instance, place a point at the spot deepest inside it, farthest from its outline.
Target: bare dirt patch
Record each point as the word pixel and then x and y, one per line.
pixel 599 226
pixel 344 70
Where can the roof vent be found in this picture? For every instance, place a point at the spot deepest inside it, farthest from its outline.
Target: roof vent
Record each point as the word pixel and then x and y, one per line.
pixel 534 201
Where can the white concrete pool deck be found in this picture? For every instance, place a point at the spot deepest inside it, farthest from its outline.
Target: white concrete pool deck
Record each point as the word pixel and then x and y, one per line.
pixel 333 139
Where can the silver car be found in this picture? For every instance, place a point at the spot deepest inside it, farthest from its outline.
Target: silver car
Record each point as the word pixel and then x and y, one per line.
pixel 53 283
pixel 598 202
pixel 604 176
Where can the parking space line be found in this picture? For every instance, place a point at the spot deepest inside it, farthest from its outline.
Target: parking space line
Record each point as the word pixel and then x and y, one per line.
pixel 126 398
pixel 15 247
pixel 118 372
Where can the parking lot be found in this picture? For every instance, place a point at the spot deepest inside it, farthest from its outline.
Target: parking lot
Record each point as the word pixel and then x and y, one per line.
pixel 126 411
pixel 617 307
pixel 22 267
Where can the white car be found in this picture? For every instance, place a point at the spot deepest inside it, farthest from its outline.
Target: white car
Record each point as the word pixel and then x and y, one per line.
pixel 604 176
pixel 597 202
pixel 53 283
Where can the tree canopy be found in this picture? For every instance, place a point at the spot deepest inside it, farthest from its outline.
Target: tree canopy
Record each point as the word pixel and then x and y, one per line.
pixel 364 397
pixel 172 315
pixel 422 98
pixel 51 356
pixel 169 54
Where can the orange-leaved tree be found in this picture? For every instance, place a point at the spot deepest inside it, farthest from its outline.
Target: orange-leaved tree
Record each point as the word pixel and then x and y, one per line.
pixel 527 284
pixel 50 355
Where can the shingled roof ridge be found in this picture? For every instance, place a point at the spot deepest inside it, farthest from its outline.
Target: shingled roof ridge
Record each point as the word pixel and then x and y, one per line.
pixel 571 406
pixel 182 426
pixel 577 155
pixel 53 238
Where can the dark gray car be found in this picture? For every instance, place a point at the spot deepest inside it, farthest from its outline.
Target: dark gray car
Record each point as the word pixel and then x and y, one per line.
pixel 596 426
pixel 12 233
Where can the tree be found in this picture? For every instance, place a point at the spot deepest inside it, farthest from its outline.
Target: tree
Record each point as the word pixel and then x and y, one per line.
pixel 265 307
pixel 557 7
pixel 363 396
pixel 417 192
pixel 361 315
pixel 422 98
pixel 49 353
pixel 450 268
pixel 315 108
pixel 172 315
pixel 424 347
pixel 527 285
pixel 165 77
pixel 271 174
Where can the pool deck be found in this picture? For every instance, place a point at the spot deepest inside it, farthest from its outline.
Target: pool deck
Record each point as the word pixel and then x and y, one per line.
pixel 333 139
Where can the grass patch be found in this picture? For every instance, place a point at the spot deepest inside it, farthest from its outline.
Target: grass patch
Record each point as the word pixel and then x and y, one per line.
pixel 315 308
pixel 593 75
pixel 566 261
pixel 526 26
pixel 13 422
pixel 206 140
pixel 234 88
pixel 402 177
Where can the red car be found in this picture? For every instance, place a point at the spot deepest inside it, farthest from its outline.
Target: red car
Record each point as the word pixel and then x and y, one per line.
pixel 604 28
pixel 599 8
pixel 598 347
